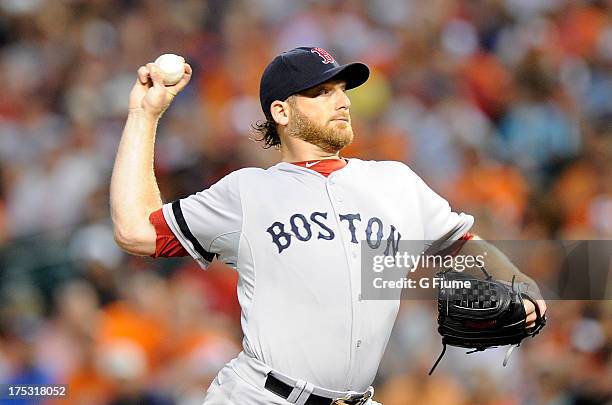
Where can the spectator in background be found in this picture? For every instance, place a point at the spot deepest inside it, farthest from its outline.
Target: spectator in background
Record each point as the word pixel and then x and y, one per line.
pixel 536 132
pixel 3 215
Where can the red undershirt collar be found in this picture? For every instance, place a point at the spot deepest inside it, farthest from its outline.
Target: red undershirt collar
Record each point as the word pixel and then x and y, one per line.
pixel 324 166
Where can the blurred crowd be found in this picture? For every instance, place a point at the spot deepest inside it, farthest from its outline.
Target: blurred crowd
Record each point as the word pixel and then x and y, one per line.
pixel 503 106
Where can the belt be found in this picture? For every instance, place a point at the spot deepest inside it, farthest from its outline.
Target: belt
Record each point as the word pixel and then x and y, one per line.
pixel 284 390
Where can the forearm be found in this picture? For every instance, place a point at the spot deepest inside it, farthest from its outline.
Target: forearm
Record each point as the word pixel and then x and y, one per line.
pixel 134 193
pixel 497 264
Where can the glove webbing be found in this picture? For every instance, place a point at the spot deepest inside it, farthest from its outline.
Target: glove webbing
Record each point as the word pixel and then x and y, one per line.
pixel 540 322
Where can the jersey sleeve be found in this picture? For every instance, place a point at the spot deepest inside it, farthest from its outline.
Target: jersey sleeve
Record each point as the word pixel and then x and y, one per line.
pixel 166 243
pixel 201 219
pixel 440 223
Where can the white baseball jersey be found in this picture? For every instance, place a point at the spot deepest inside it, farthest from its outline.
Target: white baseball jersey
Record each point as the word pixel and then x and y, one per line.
pixel 294 237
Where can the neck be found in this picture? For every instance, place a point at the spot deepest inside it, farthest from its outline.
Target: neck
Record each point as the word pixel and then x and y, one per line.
pixel 297 150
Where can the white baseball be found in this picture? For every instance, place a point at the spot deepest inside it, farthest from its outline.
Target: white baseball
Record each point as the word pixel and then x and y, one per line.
pixel 172 67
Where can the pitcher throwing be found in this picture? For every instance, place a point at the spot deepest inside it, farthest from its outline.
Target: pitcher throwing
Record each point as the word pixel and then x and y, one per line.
pixel 293 233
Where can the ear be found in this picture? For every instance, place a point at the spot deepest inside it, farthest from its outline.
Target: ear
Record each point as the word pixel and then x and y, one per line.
pixel 280 112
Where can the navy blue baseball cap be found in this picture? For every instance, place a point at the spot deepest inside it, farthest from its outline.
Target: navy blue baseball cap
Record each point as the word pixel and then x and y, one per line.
pixel 301 68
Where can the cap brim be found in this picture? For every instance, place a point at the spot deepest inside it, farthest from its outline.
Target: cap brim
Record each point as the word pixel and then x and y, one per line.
pixel 355 74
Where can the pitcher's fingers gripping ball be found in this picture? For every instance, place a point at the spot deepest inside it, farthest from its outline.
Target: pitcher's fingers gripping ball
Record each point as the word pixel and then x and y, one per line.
pixel 172 68
pixel 155 88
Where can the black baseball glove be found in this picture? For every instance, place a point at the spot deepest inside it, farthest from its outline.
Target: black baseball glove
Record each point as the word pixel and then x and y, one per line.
pixel 487 313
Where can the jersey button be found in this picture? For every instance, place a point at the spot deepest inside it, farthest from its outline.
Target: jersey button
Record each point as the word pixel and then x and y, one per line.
pixel 359 343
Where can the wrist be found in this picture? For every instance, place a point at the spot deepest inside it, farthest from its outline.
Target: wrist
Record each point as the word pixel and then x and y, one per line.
pixel 139 112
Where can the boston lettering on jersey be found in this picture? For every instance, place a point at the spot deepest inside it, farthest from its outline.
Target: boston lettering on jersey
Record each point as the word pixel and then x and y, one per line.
pixel 303 229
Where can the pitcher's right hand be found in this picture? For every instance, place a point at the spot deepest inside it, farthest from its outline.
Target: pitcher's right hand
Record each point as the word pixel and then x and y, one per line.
pixel 149 93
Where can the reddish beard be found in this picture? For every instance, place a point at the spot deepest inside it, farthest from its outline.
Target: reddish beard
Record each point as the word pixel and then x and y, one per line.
pixel 330 139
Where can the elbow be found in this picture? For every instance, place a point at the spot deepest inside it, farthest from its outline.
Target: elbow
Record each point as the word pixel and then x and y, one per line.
pixel 137 242
pixel 123 239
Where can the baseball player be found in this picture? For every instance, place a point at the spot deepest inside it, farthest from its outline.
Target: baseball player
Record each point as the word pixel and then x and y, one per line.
pixel 292 232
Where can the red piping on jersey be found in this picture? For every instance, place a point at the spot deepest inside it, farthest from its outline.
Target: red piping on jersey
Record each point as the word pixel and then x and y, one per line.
pixel 455 248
